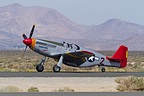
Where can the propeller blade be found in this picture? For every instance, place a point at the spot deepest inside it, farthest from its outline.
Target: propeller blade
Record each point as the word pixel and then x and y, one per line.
pixel 31 33
pixel 24 36
pixel 24 51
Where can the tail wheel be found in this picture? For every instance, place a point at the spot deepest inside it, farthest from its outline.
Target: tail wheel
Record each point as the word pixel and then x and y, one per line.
pixel 56 68
pixel 103 70
pixel 39 68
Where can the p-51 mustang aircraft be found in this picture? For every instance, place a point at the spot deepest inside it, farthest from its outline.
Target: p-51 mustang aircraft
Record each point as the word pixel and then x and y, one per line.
pixel 73 55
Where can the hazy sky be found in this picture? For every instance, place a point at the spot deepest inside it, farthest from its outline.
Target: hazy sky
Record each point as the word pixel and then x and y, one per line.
pixel 90 12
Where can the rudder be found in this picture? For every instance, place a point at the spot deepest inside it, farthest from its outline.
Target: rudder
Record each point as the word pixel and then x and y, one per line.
pixel 121 56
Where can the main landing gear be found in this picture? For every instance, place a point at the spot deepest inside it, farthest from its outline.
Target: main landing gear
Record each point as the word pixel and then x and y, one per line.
pixel 56 68
pixel 40 67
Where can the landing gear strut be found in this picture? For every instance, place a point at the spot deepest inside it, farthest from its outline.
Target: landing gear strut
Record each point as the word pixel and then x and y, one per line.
pixel 40 67
pixel 57 67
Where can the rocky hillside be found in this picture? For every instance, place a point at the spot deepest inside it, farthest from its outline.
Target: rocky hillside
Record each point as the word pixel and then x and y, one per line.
pixel 16 19
pixel 114 32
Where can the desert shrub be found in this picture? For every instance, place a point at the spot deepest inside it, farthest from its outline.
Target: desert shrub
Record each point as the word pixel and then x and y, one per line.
pixel 33 89
pixel 10 89
pixel 130 83
pixel 65 89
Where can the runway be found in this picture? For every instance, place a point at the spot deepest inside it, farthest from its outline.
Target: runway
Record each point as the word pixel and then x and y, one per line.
pixel 75 94
pixel 70 74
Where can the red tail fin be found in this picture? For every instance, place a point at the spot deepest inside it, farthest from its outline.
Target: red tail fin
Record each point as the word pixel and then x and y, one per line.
pixel 120 56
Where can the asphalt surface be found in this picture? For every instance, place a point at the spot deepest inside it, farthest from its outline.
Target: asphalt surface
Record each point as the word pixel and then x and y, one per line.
pixel 70 74
pixel 75 94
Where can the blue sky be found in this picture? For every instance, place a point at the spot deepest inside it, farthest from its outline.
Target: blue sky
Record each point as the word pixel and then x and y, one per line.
pixel 91 12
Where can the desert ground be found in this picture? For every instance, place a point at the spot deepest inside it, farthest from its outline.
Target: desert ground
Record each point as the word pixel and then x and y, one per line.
pixel 13 61
pixel 52 84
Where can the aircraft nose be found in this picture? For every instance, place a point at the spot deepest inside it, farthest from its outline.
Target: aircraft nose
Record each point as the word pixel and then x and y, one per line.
pixel 27 42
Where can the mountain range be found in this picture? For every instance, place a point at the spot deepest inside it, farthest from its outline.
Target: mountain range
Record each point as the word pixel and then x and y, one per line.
pixel 16 19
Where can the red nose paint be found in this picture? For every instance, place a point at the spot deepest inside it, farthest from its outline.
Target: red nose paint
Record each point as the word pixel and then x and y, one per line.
pixel 27 42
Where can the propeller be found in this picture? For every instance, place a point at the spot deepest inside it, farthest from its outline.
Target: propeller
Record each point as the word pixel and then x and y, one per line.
pixel 31 33
pixel 24 51
pixel 28 41
pixel 24 36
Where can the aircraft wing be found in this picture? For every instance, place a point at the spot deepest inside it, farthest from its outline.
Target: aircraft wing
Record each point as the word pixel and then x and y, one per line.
pixel 79 54
pixel 77 57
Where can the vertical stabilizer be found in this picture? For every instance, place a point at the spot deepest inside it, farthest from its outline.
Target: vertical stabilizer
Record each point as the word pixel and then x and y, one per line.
pixel 121 56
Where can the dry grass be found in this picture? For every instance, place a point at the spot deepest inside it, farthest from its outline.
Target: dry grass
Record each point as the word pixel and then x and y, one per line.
pixel 10 89
pixel 15 62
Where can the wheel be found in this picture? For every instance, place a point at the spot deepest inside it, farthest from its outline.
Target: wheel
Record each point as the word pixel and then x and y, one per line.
pixel 56 68
pixel 39 68
pixel 103 70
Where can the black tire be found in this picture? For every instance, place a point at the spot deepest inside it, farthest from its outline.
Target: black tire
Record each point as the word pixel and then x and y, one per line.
pixel 56 68
pixel 39 68
pixel 103 70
